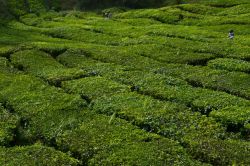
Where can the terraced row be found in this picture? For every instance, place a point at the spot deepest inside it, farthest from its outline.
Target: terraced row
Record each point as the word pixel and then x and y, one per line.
pixel 231 82
pixel 52 117
pixel 147 87
pixel 168 119
pixel 157 85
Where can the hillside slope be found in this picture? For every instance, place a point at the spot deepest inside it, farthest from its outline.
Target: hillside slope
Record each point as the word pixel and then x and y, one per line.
pixel 159 86
pixel 17 7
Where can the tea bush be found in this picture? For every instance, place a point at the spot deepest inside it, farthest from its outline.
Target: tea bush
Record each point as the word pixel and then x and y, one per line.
pixel 81 59
pixel 167 54
pixel 44 110
pixel 4 65
pixel 233 117
pixel 94 87
pixel 219 152
pixel 200 9
pixel 235 83
pixel 146 87
pixel 35 155
pixel 173 123
pixel 236 10
pixel 230 64
pixel 168 88
pixel 232 82
pixel 177 90
pixel 104 140
pixel 8 123
pixel 43 65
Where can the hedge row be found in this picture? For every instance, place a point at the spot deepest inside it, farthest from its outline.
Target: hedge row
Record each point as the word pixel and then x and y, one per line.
pixel 4 64
pixel 118 55
pixel 121 34
pixel 87 36
pixel 113 33
pixel 174 89
pixel 231 82
pixel 168 15
pixel 190 16
pixel 177 90
pixel 234 118
pixel 49 114
pixel 44 111
pixel 81 59
pixel 43 65
pixel 55 117
pixel 220 47
pixel 165 87
pixel 152 115
pixel 35 155
pixel 182 125
pixel 168 119
pixel 236 10
pixel 8 125
pixel 19 36
pixel 180 31
pixel 235 83
pixel 5 50
pixel 84 29
pixel 200 9
pixel 93 87
pixel 167 54
pixel 104 140
pixel 230 64
pixel 116 33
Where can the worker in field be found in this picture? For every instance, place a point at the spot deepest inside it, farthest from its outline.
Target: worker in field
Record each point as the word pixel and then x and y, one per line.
pixel 110 15
pixel 107 15
pixel 231 34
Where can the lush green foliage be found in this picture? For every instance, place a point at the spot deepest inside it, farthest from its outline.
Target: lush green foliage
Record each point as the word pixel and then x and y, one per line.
pixel 144 87
pixel 166 120
pixel 42 108
pixel 21 7
pixel 35 155
pixel 230 64
pixel 112 141
pixel 92 87
pixel 43 65
pixel 234 117
pixel 8 124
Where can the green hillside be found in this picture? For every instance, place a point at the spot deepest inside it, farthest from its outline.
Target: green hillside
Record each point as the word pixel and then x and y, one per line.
pixel 152 86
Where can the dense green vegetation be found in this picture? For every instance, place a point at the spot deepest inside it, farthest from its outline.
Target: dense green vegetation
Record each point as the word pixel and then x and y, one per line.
pixel 158 86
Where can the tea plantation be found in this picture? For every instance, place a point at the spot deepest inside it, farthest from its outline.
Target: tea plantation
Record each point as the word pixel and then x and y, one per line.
pixel 159 87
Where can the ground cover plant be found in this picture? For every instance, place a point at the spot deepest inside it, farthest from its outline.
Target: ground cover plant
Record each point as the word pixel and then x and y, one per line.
pixel 157 86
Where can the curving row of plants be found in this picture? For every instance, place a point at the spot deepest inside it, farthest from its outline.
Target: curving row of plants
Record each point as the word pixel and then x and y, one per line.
pixel 146 87
pixel 168 119
pixel 43 65
pixel 230 65
pixel 157 85
pixel 35 155
pixel 234 83
pixel 52 117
